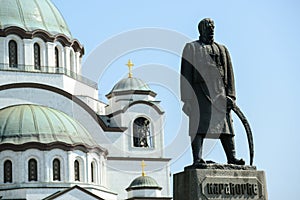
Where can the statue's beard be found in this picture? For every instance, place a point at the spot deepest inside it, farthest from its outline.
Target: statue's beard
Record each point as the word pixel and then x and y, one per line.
pixel 207 39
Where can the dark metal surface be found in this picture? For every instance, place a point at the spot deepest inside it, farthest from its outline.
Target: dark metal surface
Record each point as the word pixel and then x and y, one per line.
pixel 246 124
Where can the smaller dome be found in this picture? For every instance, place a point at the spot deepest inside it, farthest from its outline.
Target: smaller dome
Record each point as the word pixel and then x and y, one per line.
pixel 130 84
pixel 143 182
pixel 22 124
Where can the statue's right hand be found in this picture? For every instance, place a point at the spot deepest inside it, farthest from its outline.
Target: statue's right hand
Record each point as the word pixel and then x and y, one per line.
pixel 187 108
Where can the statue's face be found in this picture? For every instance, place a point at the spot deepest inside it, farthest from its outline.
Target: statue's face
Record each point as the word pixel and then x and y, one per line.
pixel 209 28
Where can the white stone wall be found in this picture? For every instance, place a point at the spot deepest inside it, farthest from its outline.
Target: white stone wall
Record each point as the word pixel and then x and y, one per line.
pixel 117 103
pixel 96 105
pixel 60 81
pixel 4 56
pixel 69 64
pixel 45 171
pixel 123 144
pixel 144 193
pixel 67 55
pixel 44 162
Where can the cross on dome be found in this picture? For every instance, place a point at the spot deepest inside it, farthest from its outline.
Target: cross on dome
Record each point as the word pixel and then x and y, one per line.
pixel 130 65
pixel 143 168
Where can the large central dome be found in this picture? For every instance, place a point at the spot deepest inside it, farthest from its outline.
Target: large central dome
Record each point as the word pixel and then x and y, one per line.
pixel 32 15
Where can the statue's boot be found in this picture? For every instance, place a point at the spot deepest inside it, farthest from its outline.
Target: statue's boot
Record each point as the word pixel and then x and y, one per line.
pixel 229 148
pixel 197 146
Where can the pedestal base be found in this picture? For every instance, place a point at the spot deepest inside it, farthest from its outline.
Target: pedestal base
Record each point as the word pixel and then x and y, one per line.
pixel 220 184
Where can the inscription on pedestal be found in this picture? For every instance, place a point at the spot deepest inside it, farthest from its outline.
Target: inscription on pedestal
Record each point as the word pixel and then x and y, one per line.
pixel 220 184
pixel 231 188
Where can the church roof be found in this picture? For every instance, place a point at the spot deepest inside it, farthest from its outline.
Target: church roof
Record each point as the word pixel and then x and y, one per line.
pixel 76 192
pixel 23 124
pixel 143 182
pixel 32 15
pixel 132 85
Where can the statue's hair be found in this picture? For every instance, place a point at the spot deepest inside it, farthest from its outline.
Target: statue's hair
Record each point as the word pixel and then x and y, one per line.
pixel 202 24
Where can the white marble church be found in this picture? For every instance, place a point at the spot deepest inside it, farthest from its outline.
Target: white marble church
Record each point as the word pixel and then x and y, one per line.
pixel 57 140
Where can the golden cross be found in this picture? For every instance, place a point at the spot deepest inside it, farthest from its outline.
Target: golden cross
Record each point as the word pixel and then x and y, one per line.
pixel 130 65
pixel 143 168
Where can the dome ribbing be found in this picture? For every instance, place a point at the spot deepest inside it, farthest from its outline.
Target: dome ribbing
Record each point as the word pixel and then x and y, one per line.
pixel 32 15
pixel 32 123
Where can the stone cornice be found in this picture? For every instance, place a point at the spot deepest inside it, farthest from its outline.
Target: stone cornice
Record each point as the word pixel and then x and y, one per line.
pixel 45 36
pixel 149 103
pixel 130 92
pixel 53 145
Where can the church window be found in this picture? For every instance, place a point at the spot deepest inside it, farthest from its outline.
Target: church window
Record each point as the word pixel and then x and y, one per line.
pixel 141 133
pixel 93 168
pixel 56 59
pixel 7 171
pixel 76 170
pixel 32 170
pixel 37 56
pixel 56 170
pixel 13 54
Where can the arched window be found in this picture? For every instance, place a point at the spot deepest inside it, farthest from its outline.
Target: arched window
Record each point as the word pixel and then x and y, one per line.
pixel 7 171
pixel 76 171
pixel 141 133
pixel 32 170
pixel 56 170
pixel 93 172
pixel 37 56
pixel 56 59
pixel 13 53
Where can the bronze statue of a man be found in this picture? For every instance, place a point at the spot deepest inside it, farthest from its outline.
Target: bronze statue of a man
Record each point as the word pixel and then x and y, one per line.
pixel 208 92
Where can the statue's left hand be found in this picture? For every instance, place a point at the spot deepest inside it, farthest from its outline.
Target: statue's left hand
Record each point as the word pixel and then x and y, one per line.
pixel 230 103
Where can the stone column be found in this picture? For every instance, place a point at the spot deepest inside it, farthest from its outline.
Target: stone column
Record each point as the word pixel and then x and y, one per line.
pixel 28 55
pixel 3 54
pixel 50 57
pixel 67 59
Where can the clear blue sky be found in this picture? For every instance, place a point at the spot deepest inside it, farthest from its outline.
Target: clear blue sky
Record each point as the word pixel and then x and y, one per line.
pixel 263 39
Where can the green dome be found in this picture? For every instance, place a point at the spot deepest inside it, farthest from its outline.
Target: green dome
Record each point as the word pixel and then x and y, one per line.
pixel 32 15
pixel 128 84
pixel 143 182
pixel 32 123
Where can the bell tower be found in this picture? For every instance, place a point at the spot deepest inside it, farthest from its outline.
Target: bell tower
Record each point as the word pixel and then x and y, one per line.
pixel 132 106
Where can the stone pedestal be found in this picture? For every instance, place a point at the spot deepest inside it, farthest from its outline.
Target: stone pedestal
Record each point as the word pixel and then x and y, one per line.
pixel 220 182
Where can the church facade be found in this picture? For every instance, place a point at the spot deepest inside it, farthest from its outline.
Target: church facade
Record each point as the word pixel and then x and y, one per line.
pixel 57 140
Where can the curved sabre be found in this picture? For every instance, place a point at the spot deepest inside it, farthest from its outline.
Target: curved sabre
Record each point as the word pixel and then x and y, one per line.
pixel 245 122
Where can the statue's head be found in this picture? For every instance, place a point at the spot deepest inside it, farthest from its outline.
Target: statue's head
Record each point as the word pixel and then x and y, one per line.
pixel 206 29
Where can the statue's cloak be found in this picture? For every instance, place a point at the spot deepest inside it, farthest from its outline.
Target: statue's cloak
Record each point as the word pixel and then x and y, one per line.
pixel 206 80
